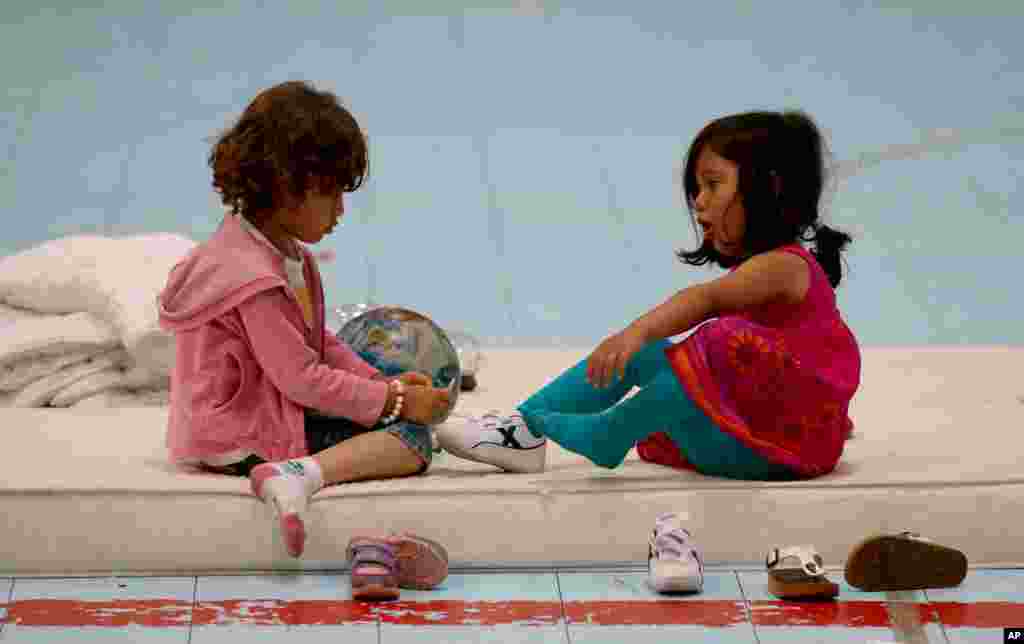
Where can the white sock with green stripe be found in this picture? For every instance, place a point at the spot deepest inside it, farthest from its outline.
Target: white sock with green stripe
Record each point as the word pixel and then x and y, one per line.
pixel 290 484
pixel 287 486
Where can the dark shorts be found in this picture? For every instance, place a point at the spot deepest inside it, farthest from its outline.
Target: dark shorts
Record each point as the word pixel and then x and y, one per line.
pixel 323 432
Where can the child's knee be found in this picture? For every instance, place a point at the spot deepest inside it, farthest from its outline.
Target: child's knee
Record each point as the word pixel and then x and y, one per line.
pixel 649 360
pixel 419 440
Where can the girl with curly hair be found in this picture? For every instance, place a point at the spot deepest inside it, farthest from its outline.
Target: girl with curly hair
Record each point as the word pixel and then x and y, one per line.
pixel 260 388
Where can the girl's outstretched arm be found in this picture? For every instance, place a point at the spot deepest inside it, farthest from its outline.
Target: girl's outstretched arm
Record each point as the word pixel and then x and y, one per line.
pixel 768 277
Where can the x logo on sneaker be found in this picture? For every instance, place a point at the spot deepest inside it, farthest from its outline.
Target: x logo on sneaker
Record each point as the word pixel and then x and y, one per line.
pixel 508 438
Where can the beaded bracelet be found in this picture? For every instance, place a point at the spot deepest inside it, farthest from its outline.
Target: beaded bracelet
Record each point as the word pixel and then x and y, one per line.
pixel 399 399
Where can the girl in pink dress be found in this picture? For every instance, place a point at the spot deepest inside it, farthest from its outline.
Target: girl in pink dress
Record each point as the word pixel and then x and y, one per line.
pixel 761 389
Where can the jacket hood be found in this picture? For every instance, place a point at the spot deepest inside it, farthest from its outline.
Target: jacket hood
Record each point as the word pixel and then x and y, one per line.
pixel 216 276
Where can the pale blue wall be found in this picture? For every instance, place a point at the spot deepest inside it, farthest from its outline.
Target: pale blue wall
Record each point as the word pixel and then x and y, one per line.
pixel 492 133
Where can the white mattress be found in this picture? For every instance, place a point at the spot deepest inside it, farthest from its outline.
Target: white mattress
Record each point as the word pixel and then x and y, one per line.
pixel 937 450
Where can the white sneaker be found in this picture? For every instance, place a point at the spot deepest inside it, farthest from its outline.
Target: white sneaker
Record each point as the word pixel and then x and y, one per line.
pixel 673 563
pixel 493 439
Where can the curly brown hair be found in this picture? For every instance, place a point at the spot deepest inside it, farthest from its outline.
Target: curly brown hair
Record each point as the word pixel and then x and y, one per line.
pixel 289 135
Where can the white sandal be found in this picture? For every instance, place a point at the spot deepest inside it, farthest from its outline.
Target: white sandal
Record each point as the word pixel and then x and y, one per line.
pixel 798 572
pixel 673 562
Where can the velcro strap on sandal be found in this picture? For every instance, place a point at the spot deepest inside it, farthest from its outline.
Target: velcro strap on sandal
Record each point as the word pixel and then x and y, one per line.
pixel 804 558
pixel 674 543
pixel 372 553
pixel 669 535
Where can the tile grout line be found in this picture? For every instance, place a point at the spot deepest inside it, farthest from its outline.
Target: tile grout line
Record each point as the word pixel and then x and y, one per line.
pixel 192 613
pixel 748 609
pixel 7 614
pixel 561 605
pixel 10 601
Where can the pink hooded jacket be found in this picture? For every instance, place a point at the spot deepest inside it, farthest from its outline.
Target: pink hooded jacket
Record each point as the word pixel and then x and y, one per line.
pixel 246 364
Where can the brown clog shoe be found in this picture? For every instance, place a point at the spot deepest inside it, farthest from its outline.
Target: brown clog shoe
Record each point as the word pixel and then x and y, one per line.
pixel 904 561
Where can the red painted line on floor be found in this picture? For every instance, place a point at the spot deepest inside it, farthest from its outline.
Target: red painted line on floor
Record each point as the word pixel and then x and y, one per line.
pixel 866 614
pixel 63 612
pixel 710 613
pixel 157 613
pixel 276 612
pixel 319 612
pixel 980 614
pixel 459 613
pixel 481 613
pixel 441 612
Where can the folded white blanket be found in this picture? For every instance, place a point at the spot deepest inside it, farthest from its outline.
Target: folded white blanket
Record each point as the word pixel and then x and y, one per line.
pixel 143 378
pixel 17 375
pixel 125 398
pixel 55 277
pixel 115 397
pixel 107 380
pixel 46 336
pixel 9 314
pixel 41 392
pixel 115 279
pixel 87 386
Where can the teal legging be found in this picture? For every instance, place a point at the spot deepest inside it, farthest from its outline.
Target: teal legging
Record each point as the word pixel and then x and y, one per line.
pixel 600 425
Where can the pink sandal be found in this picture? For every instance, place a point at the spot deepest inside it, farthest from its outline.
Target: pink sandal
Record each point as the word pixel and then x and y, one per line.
pixel 409 561
pixel 422 562
pixel 367 558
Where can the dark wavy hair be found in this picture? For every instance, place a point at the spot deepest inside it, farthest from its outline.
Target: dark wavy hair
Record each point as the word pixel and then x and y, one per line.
pixel 782 173
pixel 289 135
